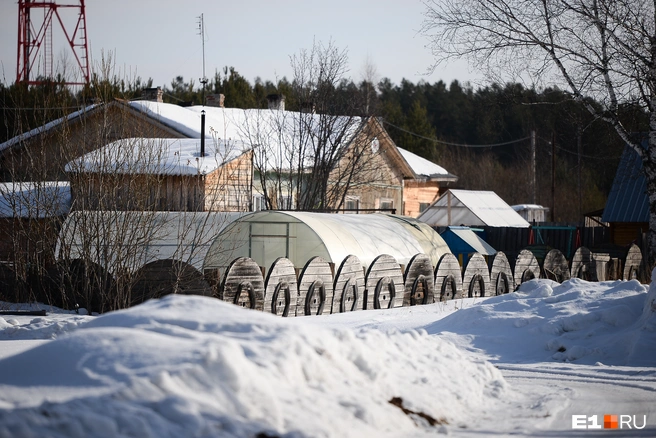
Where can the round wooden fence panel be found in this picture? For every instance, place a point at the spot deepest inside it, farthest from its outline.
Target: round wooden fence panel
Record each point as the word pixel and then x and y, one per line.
pixel 281 288
pixel 476 279
pixel 526 267
pixel 418 280
pixel 632 263
pixel 315 288
pixel 348 290
pixel 502 280
pixel 556 266
pixel 584 265
pixel 383 284
pixel 448 278
pixel 243 284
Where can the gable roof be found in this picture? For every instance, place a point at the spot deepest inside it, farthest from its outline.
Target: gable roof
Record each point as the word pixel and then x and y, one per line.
pixel 425 168
pixel 627 200
pixel 472 208
pixel 161 156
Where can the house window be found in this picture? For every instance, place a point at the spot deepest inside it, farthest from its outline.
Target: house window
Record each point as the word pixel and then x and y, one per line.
pixel 259 203
pixel 386 204
pixel 423 206
pixel 286 203
pixel 351 204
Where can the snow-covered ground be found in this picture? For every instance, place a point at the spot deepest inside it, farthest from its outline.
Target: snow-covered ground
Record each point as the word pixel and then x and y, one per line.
pixel 520 364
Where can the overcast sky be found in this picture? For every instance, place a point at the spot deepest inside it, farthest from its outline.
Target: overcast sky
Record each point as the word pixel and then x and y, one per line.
pixel 159 39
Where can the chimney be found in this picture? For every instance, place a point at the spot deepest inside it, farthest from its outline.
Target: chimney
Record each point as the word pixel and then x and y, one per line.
pixel 215 100
pixel 202 133
pixel 152 94
pixel 308 107
pixel 276 102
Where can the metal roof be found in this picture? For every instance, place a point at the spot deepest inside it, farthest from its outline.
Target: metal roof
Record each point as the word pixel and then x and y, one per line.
pixel 627 200
pixel 472 208
pixel 472 240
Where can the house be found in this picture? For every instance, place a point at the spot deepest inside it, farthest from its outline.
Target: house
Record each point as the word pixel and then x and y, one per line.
pixel 627 207
pixel 472 208
pixel 386 178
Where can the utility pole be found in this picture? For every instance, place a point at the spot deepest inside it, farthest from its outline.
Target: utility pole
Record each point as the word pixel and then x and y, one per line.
pixel 553 177
pixel 534 164
pixel 201 32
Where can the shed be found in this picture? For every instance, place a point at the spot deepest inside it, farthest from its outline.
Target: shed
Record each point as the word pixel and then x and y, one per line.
pixel 531 212
pixel 463 241
pixel 471 208
pixel 266 235
pixel 627 207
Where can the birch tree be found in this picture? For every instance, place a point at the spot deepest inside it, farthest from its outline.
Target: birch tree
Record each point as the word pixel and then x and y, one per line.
pixel 596 49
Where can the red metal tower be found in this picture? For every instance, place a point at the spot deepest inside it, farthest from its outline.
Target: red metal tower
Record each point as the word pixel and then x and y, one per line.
pixel 33 43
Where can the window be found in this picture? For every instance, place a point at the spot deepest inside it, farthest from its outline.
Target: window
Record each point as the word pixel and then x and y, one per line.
pixel 386 204
pixel 351 203
pixel 259 203
pixel 423 206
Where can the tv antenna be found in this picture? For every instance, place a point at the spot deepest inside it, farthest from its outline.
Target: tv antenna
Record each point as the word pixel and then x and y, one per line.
pixel 34 45
pixel 201 32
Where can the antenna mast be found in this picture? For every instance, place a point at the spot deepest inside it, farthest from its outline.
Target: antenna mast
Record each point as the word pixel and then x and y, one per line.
pixel 201 32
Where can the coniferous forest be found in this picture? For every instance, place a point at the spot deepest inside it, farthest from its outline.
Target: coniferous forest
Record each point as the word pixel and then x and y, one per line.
pixel 480 134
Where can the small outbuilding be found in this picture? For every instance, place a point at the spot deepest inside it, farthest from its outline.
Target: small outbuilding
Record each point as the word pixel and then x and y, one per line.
pixel 463 241
pixel 472 208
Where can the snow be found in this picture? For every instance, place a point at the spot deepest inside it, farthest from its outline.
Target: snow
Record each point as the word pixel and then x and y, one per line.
pixel 422 166
pixel 518 364
pixel 161 156
pixel 35 200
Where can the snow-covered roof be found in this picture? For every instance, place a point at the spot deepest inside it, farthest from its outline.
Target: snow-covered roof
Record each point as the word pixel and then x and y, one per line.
pixel 34 200
pixel 472 208
pixel 520 207
pixel 275 135
pixel 162 156
pixel 423 167
pixel 45 128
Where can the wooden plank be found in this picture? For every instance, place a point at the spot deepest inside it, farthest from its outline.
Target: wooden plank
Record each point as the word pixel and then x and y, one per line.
pixel 281 288
pixel 556 266
pixel 526 267
pixel 383 284
pixel 348 286
pixel 476 279
pixel 502 280
pixel 315 288
pixel 448 278
pixel 243 284
pixel 584 265
pixel 419 282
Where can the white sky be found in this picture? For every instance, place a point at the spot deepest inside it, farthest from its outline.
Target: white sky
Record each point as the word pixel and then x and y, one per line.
pixel 159 38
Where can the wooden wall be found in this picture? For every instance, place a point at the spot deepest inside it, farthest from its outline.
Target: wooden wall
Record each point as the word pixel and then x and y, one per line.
pixel 229 188
pixel 416 192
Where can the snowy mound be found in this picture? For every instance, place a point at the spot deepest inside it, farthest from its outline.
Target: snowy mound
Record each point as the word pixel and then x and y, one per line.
pixel 611 323
pixel 195 366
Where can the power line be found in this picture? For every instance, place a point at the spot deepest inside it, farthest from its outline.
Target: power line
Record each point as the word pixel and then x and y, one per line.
pixel 457 144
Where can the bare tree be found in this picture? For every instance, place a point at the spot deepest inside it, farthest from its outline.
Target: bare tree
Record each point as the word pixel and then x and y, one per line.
pixel 310 158
pixel 601 49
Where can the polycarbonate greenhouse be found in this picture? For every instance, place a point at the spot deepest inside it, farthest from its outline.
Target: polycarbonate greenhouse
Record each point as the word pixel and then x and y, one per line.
pixel 266 235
